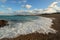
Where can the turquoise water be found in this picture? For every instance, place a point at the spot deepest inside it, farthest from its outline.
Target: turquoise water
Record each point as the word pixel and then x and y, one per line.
pixel 18 18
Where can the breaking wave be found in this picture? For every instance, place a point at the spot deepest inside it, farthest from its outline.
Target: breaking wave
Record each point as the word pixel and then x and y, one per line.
pixel 14 29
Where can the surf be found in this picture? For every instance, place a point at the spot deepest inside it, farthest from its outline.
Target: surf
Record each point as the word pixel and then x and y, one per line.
pixel 26 25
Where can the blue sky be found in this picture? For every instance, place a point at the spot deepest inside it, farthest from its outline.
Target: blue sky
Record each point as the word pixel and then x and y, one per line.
pixel 15 5
pixel 12 6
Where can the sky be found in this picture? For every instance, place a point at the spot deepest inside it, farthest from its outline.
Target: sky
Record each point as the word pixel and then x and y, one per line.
pixel 13 5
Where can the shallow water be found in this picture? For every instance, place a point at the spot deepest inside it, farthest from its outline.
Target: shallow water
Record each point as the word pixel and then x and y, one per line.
pixel 23 25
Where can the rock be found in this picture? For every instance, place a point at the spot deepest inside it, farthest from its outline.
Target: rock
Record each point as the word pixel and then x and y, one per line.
pixel 3 23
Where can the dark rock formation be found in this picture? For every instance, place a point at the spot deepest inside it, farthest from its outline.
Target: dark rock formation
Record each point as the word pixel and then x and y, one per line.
pixel 3 23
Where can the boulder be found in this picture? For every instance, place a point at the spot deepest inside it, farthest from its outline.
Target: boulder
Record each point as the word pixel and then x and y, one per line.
pixel 3 23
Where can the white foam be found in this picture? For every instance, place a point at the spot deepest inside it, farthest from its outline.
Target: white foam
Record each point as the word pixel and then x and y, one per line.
pixel 41 25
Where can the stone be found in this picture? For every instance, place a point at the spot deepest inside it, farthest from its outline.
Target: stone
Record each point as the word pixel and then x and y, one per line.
pixel 3 23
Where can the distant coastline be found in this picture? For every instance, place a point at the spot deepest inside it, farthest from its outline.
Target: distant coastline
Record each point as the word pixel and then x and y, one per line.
pixel 39 14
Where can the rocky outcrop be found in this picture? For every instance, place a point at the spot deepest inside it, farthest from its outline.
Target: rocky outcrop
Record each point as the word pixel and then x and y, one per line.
pixel 3 23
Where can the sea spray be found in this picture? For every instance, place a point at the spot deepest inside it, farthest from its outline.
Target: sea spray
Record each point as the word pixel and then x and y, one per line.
pixel 40 25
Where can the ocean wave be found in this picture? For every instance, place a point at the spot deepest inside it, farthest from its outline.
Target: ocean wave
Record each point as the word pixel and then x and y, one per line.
pixel 14 29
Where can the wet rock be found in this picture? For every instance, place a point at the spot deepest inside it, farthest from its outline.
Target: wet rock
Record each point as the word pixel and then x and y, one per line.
pixel 3 23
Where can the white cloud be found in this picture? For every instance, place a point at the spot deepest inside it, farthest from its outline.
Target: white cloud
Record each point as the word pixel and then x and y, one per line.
pixel 53 5
pixel 23 12
pixel 5 13
pixel 57 8
pixel 28 6
pixel 6 8
pixel 9 9
pixel 53 8
pixel 50 10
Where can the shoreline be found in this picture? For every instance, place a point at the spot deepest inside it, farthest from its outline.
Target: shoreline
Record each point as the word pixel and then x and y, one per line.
pixel 37 36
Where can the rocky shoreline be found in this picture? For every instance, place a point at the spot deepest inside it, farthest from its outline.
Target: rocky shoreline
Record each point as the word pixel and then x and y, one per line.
pixel 37 36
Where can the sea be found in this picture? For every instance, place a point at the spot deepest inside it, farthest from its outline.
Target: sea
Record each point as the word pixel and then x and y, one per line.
pixel 18 18
pixel 23 25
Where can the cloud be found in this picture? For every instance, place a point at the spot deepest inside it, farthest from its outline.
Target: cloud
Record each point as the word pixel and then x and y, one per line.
pixel 50 9
pixel 5 13
pixel 28 6
pixel 9 9
pixel 57 8
pixel 6 8
pixel 53 8
pixel 53 5
pixel 23 12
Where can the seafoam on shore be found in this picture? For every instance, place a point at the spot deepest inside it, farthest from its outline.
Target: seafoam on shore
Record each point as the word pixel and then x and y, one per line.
pixel 40 25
